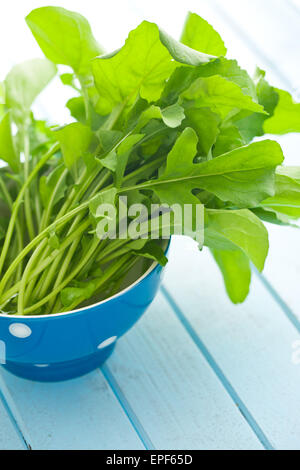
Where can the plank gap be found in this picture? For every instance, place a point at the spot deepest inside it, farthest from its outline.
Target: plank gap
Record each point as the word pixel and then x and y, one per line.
pixel 116 389
pixel 218 371
pixel 13 415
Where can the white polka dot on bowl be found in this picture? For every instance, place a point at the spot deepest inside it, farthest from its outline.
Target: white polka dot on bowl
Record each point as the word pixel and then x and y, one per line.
pixel 107 342
pixel 19 330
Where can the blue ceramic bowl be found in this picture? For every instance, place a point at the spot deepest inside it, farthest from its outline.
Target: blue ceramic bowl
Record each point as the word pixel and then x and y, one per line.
pixel 66 345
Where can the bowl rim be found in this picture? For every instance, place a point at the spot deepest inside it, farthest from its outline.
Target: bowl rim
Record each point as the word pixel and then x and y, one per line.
pixel 80 310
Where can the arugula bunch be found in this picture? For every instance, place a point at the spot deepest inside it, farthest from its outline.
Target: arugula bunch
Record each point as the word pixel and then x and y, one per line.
pixel 158 121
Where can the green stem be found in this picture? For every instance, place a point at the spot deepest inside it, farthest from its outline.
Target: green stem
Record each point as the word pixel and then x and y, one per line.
pixel 113 117
pixel 86 101
pixel 58 306
pixel 139 172
pixel 69 201
pixel 77 233
pixel 24 280
pixel 27 204
pixel 18 225
pixel 64 268
pixel 112 246
pixel 48 274
pixel 37 199
pixel 29 289
pixel 18 203
pixel 117 281
pixel 48 210
pixel 37 209
pixel 56 225
pixel 47 277
pixel 106 175
pixel 67 280
pixel 111 271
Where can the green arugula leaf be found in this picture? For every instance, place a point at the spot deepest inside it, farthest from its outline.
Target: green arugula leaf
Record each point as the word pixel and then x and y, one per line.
pixel 169 188
pixel 229 138
pixel 287 194
pixel 235 238
pixel 206 124
pixel 173 115
pixel 75 140
pixel 271 216
pixel 53 240
pixel 7 148
pixel 180 80
pixel 243 176
pixel 229 69
pixel 253 125
pixel 221 96
pixel 77 110
pixel 292 172
pixel 228 230
pixel 123 154
pixel 286 117
pixel 141 67
pixel 182 53
pixel 65 37
pixel 81 292
pixel 53 186
pixel 104 197
pixel 69 80
pixel 200 35
pixel 40 135
pixel 131 246
pixel 236 271
pixel 24 83
pixel 183 77
pixel 152 250
pixel 110 161
pixel 108 139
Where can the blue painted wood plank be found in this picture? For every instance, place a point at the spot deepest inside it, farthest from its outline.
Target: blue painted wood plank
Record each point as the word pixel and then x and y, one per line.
pixel 9 437
pixel 252 343
pixel 14 415
pixel 172 389
pixel 79 414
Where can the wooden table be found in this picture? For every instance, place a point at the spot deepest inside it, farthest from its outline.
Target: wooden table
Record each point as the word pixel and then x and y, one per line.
pixel 196 372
